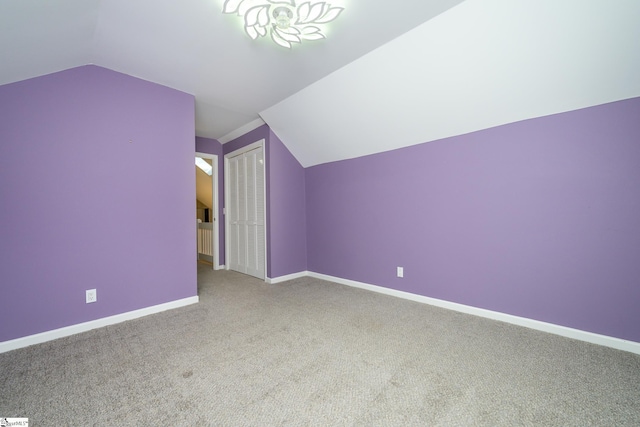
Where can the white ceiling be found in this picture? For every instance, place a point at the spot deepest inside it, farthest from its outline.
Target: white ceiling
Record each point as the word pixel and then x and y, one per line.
pixel 389 74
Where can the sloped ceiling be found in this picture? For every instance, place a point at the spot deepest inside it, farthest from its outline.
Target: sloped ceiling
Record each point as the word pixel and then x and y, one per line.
pixel 191 46
pixel 481 64
pixel 390 74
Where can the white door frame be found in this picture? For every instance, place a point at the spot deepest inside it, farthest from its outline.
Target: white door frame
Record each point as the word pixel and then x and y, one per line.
pixel 239 151
pixel 214 198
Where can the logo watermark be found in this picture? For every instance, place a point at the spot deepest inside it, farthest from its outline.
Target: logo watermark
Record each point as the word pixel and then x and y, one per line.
pixel 14 422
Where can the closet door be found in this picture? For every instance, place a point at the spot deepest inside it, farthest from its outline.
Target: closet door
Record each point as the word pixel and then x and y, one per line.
pixel 233 214
pixel 246 211
pixel 255 227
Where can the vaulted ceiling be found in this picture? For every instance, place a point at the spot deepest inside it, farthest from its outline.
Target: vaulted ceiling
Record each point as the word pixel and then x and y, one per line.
pixel 390 74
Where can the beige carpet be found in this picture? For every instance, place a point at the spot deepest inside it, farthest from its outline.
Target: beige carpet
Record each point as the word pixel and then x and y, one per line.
pixel 309 352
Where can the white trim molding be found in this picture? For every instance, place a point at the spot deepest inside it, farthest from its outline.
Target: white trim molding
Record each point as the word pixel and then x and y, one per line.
pixel 280 279
pixel 254 124
pixel 590 337
pixel 93 324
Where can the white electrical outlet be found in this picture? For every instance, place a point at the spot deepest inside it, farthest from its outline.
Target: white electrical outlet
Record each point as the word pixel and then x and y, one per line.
pixel 91 295
pixel 400 272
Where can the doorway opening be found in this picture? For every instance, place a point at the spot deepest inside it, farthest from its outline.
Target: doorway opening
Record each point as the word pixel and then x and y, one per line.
pixel 207 215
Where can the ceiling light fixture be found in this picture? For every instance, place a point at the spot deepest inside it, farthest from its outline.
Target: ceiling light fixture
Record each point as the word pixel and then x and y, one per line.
pixel 287 21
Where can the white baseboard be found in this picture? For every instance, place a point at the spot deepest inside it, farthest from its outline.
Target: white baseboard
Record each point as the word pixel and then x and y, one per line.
pixel 287 277
pixel 93 324
pixel 220 267
pixel 617 343
pixel 604 340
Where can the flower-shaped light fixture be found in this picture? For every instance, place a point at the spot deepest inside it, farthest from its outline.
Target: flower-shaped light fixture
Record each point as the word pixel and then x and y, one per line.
pixel 287 21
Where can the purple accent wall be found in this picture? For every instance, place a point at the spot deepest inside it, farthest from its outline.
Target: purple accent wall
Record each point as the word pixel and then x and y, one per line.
pixel 539 219
pixel 288 242
pixel 213 146
pixel 97 189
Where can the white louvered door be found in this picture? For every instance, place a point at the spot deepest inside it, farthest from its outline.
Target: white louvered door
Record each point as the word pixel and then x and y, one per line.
pixel 233 228
pixel 246 212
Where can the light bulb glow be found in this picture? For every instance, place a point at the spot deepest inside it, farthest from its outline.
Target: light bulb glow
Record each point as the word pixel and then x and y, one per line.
pixel 282 17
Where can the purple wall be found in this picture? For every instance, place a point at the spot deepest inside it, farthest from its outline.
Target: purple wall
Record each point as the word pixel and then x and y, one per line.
pixel 288 242
pixel 213 146
pixel 539 219
pixel 97 189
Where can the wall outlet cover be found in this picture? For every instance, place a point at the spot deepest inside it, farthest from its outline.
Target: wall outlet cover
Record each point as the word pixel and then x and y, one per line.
pixel 91 296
